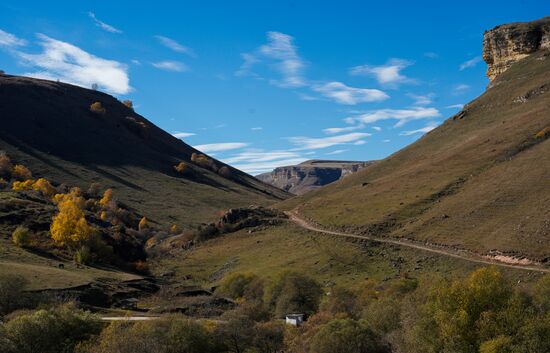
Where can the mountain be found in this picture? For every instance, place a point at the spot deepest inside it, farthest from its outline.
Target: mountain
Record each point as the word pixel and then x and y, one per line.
pixel 310 175
pixel 480 182
pixel 53 129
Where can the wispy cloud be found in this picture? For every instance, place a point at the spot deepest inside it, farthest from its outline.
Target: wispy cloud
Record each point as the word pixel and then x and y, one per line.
pixel 387 74
pixel 460 88
pixel 103 25
pixel 335 152
pixel 260 161
pixel 220 147
pixel 423 130
pixel 425 99
pixel 338 130
pixel 376 128
pixel 279 53
pixel 455 106
pixel 470 63
pixel 170 65
pixel 311 143
pixel 257 128
pixel 68 63
pixel 183 134
pixel 431 55
pixel 343 94
pixel 401 115
pixel 9 40
pixel 175 46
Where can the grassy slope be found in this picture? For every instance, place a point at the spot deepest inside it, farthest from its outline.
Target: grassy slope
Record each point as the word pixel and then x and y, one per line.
pixel 463 183
pixel 330 260
pixel 48 127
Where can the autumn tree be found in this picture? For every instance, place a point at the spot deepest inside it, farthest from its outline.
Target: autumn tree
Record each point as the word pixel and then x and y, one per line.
pixel 6 166
pixel 107 198
pixel 20 172
pixel 128 103
pixel 97 108
pixel 143 224
pixel 69 226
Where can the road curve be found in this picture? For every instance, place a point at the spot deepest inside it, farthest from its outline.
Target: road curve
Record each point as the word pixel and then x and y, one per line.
pixel 294 217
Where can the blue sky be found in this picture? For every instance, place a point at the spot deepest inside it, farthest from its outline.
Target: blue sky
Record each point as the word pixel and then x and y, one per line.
pixel 260 84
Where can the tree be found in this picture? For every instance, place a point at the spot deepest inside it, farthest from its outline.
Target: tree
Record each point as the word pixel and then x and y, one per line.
pixel 97 108
pixel 182 168
pixel 238 285
pixel 268 337
pixel 236 333
pixel 69 226
pixel 107 198
pixel 21 236
pixel 6 166
pixel 45 187
pixel 346 336
pixel 143 224
pixel 21 173
pixel 128 103
pixel 293 292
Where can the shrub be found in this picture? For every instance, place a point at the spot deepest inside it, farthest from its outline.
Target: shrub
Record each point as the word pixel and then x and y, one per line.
pixel 182 168
pixel 21 236
pixel 174 229
pixel 56 330
pixel 543 133
pixel 69 226
pixel 45 187
pixel 107 198
pixel 128 103
pixel 6 166
pixel 93 190
pixel 346 336
pixel 143 224
pixel 225 172
pixel 23 185
pixel 141 266
pixel 83 255
pixel 12 296
pixel 20 172
pixel 3 183
pixel 204 162
pixel 293 292
pixel 240 285
pixel 97 108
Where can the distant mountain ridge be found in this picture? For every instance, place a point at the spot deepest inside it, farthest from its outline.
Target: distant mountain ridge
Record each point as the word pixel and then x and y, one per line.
pixel 311 175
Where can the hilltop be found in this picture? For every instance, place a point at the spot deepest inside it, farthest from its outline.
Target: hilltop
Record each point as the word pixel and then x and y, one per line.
pixel 479 182
pixel 311 175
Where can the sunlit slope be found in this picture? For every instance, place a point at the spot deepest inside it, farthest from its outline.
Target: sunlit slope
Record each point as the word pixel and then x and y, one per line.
pixel 479 181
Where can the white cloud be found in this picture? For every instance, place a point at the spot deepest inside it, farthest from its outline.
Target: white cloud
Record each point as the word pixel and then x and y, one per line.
pixel 68 63
pixel 425 99
pixel 9 40
pixel 343 94
pixel 175 46
pixel 169 65
pixel 390 73
pixel 103 25
pixel 136 62
pixel 377 128
pixel 338 130
pixel 281 54
pixel 183 134
pixel 220 147
pixel 431 55
pixel 401 115
pixel 461 88
pixel 335 152
pixel 386 141
pixel 257 128
pixel 310 143
pixel 260 161
pixel 470 63
pixel 455 106
pixel 360 142
pixel 423 130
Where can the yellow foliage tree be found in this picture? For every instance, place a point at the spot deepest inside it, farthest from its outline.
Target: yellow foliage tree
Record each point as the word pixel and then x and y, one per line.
pixel 97 108
pixel 174 229
pixel 107 198
pixel 23 185
pixel 45 187
pixel 20 172
pixel 69 226
pixel 181 167
pixel 143 224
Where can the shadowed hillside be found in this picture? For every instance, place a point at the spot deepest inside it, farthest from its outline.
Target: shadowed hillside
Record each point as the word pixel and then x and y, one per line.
pixel 481 181
pixel 50 128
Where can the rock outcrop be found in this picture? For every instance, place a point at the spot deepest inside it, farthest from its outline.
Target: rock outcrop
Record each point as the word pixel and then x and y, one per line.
pixel 506 44
pixel 310 175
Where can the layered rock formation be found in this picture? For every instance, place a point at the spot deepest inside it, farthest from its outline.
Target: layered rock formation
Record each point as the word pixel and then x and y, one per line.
pixel 506 44
pixel 310 175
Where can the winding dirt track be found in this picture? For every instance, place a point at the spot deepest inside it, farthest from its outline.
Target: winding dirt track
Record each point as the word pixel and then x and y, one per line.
pixel 294 217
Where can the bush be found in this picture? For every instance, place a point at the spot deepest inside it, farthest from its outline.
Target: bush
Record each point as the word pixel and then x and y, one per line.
pixel 20 172
pixel 83 255
pixel 346 336
pixel 12 296
pixel 45 187
pixel 143 224
pixel 204 162
pixel 3 183
pixel 97 108
pixel 543 133
pixel 241 285
pixel 226 172
pixel 182 168
pixel 128 103
pixel 21 236
pixel 293 292
pixel 56 330
pixel 107 198
pixel 6 166
pixel 23 185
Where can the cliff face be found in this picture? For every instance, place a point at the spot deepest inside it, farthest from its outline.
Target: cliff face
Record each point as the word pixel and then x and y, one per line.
pixel 310 175
pixel 506 44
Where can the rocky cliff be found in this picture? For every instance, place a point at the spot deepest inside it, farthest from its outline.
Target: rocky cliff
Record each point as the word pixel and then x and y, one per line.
pixel 310 175
pixel 506 44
